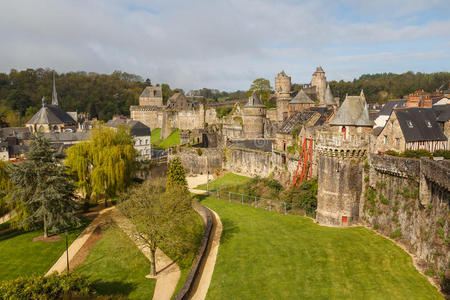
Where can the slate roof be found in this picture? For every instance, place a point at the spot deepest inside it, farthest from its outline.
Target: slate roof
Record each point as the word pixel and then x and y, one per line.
pixel 442 112
pixel 67 136
pixel 254 101
pixel 137 128
pixel 20 132
pixel 301 98
pixel 178 101
pixel 353 112
pixel 319 70
pixel 51 114
pixel 151 91
pixel 295 119
pixel 329 98
pixel 390 105
pixel 264 145
pixel 324 112
pixel 419 124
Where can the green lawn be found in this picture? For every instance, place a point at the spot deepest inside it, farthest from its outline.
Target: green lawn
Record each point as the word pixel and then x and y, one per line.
pixel 118 267
pixel 19 255
pixel 265 255
pixel 228 179
pixel 172 140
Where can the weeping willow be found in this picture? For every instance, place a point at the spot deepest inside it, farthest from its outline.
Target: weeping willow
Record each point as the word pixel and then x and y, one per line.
pixel 104 164
pixel 5 187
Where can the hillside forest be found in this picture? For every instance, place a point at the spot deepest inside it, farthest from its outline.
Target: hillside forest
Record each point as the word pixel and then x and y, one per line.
pixel 104 95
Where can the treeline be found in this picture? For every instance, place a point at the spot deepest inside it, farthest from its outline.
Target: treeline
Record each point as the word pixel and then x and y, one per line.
pixel 385 86
pixel 100 95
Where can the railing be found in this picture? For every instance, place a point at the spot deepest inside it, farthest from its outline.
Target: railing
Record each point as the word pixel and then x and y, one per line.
pixel 260 202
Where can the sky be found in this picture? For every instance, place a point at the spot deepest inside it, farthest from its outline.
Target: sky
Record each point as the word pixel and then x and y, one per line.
pixel 226 44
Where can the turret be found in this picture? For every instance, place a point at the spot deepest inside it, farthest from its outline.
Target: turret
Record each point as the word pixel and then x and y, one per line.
pixel 253 118
pixel 319 80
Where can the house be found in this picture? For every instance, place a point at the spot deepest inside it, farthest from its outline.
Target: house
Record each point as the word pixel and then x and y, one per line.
pixel 141 135
pixel 352 118
pixel 411 129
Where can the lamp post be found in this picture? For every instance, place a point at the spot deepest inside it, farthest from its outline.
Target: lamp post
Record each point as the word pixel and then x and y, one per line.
pixel 67 251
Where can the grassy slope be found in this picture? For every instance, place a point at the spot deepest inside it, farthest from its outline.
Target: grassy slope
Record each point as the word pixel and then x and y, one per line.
pixel 118 267
pixel 265 255
pixel 226 180
pixel 19 255
pixel 172 140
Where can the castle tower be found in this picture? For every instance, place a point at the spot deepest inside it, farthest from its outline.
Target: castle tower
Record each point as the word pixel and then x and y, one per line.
pixel 282 94
pixel 253 118
pixel 340 177
pixel 282 85
pixel 151 96
pixel 319 80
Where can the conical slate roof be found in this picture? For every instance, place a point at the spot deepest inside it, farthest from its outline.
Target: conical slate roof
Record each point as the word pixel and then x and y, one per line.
pixel 301 98
pixel 254 101
pixel 54 94
pixel 353 112
pixel 329 98
pixel 319 70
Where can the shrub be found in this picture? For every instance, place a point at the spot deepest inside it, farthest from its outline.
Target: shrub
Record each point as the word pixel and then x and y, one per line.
pixel 376 226
pixel 366 166
pixel 381 185
pixel 442 153
pixel 416 153
pixel 199 152
pixel 429 272
pixel 366 179
pixel 50 287
pixel 291 149
pixel 370 195
pixel 392 153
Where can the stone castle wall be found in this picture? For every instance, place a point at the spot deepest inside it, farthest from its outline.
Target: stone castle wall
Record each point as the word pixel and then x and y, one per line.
pixel 199 160
pixel 408 200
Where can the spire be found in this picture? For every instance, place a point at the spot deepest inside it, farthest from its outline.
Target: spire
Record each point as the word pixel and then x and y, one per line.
pixel 54 94
pixel 329 98
pixel 43 101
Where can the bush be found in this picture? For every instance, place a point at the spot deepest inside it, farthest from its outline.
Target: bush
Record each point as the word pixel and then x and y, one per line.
pixel 199 152
pixel 303 196
pixel 50 287
pixel 416 153
pixel 442 153
pixel 392 153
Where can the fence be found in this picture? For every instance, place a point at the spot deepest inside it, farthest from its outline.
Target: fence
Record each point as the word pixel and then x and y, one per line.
pixel 259 202
pixel 269 204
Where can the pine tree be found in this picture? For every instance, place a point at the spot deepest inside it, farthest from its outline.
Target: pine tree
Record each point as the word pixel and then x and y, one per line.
pixel 43 190
pixel 176 176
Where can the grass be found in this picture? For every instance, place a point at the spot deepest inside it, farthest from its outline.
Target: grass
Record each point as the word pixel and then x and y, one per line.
pixel 19 255
pixel 228 179
pixel 172 140
pixel 265 255
pixel 118 267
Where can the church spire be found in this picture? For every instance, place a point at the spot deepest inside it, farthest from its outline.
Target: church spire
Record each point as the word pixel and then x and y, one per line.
pixel 54 94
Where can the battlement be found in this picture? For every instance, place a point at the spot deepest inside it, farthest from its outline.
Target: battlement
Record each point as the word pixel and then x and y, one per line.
pixel 145 108
pixel 331 143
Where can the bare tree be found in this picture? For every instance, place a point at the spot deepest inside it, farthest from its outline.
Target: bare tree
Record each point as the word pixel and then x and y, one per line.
pixel 161 218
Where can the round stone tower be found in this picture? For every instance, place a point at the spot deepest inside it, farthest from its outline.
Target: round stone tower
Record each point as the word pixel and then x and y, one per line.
pixel 340 177
pixel 319 80
pixel 282 85
pixel 253 118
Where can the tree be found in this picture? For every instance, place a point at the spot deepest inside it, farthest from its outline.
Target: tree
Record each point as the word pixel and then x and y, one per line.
pixel 160 218
pixel 5 187
pixel 176 176
pixel 103 166
pixel 43 190
pixel 262 88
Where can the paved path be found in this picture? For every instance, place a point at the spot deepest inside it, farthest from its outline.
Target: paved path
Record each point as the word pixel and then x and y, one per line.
pixel 168 272
pixel 61 264
pixel 207 269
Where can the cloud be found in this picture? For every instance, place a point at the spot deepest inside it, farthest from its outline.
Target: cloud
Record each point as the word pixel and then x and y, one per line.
pixel 220 44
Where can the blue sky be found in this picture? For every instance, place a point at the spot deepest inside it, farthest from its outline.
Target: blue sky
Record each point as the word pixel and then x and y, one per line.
pixel 226 44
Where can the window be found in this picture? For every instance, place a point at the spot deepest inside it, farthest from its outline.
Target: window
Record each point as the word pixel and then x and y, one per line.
pixel 385 139
pixel 410 124
pixel 428 124
pixel 344 131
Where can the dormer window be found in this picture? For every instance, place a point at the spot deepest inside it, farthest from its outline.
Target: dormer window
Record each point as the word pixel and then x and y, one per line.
pixel 428 124
pixel 410 124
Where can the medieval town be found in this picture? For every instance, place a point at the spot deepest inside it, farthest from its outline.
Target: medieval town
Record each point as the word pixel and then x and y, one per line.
pixel 322 189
